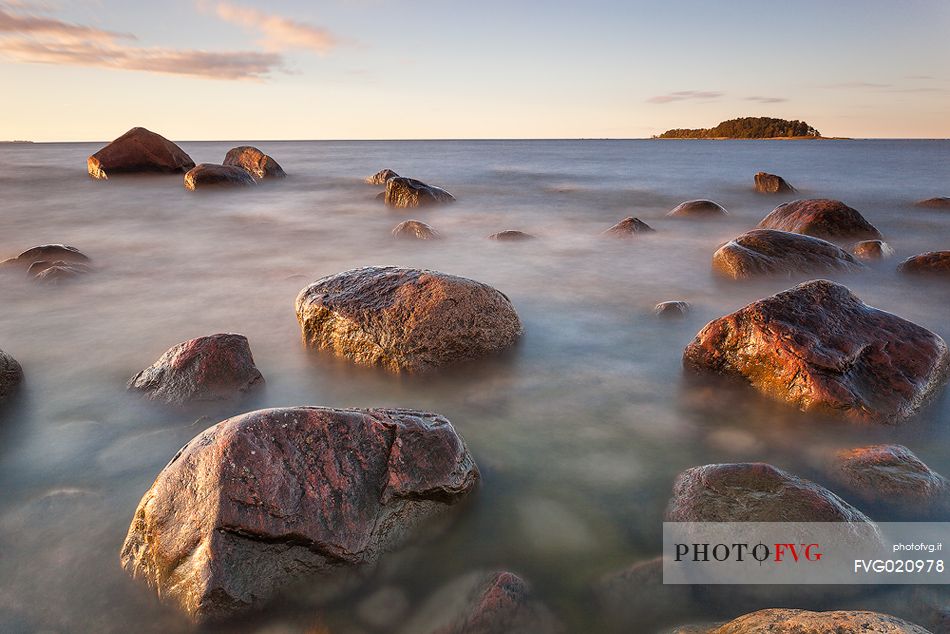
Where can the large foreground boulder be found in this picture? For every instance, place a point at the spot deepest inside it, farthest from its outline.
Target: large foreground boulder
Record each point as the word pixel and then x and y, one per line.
pixel 214 368
pixel 698 209
pixel 940 202
pixel 820 348
pixel 766 183
pixel 405 319
pixel 11 375
pixel 769 252
pixel 892 476
pixel 254 162
pixel 788 621
pixel 138 150
pixel 822 218
pixel 933 263
pixel 212 175
pixel 380 177
pixel 629 227
pixel 408 192
pixel 269 497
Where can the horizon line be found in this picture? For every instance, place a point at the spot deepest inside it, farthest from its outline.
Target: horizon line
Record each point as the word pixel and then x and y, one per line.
pixel 485 139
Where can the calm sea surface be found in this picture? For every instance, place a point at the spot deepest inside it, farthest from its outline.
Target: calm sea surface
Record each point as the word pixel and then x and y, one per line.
pixel 579 431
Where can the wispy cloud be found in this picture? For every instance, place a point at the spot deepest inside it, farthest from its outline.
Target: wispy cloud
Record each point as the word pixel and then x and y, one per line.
pixel 278 33
pixel 684 95
pixel 887 88
pixel 759 99
pixel 857 84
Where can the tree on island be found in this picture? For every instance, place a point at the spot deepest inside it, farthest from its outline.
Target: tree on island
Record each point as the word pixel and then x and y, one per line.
pixel 746 128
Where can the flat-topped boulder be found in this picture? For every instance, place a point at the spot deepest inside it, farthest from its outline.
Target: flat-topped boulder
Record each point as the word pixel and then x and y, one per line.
pixel 259 165
pixel 268 498
pixel 753 492
pixel 409 192
pixel 932 263
pixel 380 177
pixel 11 375
pixel 891 475
pixel 870 250
pixel 409 320
pixel 940 202
pixel 215 368
pixel 212 175
pixel 790 621
pixel 414 230
pixel 769 252
pixel 822 218
pixel 138 150
pixel 698 209
pixel 511 235
pixel 628 227
pixel 674 309
pixel 766 183
pixel 820 348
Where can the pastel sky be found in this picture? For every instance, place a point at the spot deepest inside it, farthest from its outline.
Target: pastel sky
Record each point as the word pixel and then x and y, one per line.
pixel 397 69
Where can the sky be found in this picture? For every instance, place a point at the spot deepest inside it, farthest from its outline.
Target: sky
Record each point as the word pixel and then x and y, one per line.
pixel 88 70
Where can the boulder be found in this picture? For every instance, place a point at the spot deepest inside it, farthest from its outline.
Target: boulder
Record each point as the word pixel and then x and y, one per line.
pixel 822 218
pixel 380 177
pixel 408 320
pixel 672 309
pixel 254 162
pixel 46 253
pixel 213 175
pixel 941 202
pixel 872 250
pixel 408 192
pixel 788 621
pixel 769 252
pixel 11 375
pixel 698 209
pixel 214 368
pixel 891 475
pixel 414 230
pixel 628 227
pixel 511 235
pixel 932 263
pixel 819 347
pixel 56 272
pixel 766 183
pixel 267 498
pixel 138 150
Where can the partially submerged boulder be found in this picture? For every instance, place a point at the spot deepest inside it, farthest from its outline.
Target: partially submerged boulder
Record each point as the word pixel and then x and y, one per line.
pixel 629 227
pixel 766 183
pixel 819 347
pixel 414 230
pixel 11 375
pixel 380 177
pixel 872 250
pixel 138 150
pixel 269 497
pixel 932 263
pixel 56 272
pixel 409 320
pixel 408 192
pixel 675 309
pixel 214 368
pixel 254 162
pixel 635 598
pixel 822 218
pixel 788 621
pixel 50 263
pixel 511 235
pixel 213 175
pixel 891 475
pixel 769 252
pixel 698 209
pixel 940 202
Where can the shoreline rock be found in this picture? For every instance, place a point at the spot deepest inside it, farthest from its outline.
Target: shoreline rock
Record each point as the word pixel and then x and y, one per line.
pixel 628 227
pixel 932 263
pixel 763 252
pixel 822 218
pixel 11 376
pixel 414 230
pixel 872 250
pixel 138 150
pixel 213 175
pixel 259 165
pixel 791 621
pixel 404 193
pixel 698 209
pixel 766 183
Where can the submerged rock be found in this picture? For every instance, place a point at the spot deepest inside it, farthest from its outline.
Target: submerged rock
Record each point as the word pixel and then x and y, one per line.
pixel 766 183
pixel 891 475
pixel 872 250
pixel 56 272
pixel 138 150
pixel 769 252
pixel 380 177
pixel 628 227
pixel 511 235
pixel 11 375
pixel 414 230
pixel 636 597
pixel 753 492
pixel 698 209
pixel 672 309
pixel 819 347
pixel 254 162
pixel 50 263
pixel 405 319
pixel 408 192
pixel 934 263
pixel 940 202
pixel 788 621
pixel 213 175
pixel 270 497
pixel 822 218
pixel 214 368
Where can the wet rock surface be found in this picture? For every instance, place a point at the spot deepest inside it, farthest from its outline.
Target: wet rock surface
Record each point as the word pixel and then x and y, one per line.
pixel 872 250
pixel 698 209
pixel 822 218
pixel 675 309
pixel 212 175
pixel 932 263
pixel 629 227
pixel 138 150
pixel 269 497
pixel 768 252
pixel 787 621
pixel 766 183
pixel 215 368
pixel 380 177
pixel 511 235
pixel 940 202
pixel 820 348
pixel 409 320
pixel 891 475
pixel 11 375
pixel 414 230
pixel 409 192
pixel 259 165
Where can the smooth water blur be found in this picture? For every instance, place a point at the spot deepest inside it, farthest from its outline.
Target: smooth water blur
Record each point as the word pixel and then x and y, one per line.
pixel 579 431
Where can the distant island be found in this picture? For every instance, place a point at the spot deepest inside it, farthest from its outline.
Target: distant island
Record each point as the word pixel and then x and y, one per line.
pixel 15 141
pixel 748 128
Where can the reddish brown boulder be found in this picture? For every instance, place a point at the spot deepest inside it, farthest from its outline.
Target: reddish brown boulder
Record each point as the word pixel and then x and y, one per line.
pixel 932 263
pixel 215 368
pixel 254 162
pixel 822 218
pixel 891 475
pixel 872 250
pixel 671 310
pixel 753 492
pixel 408 192
pixel 820 348
pixel 940 202
pixel 138 150
pixel 511 235
pixel 766 183
pixel 267 498
pixel 212 175
pixel 414 230
pixel 769 252
pixel 787 621
pixel 11 375
pixel 380 177
pixel 629 227
pixel 409 320
pixel 698 209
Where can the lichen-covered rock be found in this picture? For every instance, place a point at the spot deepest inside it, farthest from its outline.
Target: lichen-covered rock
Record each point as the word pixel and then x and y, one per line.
pixel 698 209
pixel 138 150
pixel 822 218
pixel 766 183
pixel 409 320
pixel 768 252
pixel 820 348
pixel 932 263
pixel 408 192
pixel 629 227
pixel 872 250
pixel 380 177
pixel 940 202
pixel 891 475
pixel 11 375
pixel 267 498
pixel 213 175
pixel 675 309
pixel 753 492
pixel 788 621
pixel 214 368
pixel 259 165
pixel 511 235
pixel 414 230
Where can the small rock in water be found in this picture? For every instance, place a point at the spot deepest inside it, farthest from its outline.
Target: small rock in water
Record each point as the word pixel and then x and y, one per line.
pixel 50 263
pixel 872 250
pixel 414 230
pixel 511 235
pixel 940 202
pixel 766 183
pixel 380 177
pixel 698 209
pixel 408 192
pixel 789 621
pixel 676 309
pixel 213 175
pixel 821 218
pixel 11 375
pixel 768 252
pixel 628 227
pixel 254 162
pixel 138 150
pixel 932 263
